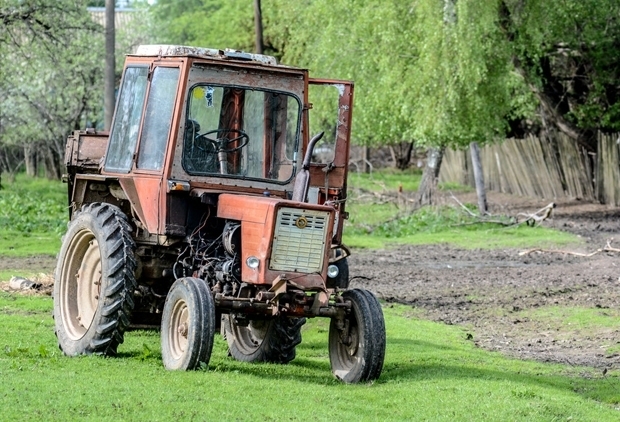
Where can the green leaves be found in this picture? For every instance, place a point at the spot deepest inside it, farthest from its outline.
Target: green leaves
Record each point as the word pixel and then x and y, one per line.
pixel 30 209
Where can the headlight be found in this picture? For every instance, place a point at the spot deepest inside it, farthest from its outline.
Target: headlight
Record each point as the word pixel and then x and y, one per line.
pixel 252 262
pixel 332 271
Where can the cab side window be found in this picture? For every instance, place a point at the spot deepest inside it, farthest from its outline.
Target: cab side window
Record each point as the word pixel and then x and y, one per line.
pixel 158 118
pixel 125 130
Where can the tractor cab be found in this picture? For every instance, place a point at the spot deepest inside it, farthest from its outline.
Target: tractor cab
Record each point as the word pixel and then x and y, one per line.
pixel 195 122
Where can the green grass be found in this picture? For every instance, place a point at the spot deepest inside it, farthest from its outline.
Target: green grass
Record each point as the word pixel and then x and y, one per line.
pixel 431 372
pixel 33 216
pixel 388 179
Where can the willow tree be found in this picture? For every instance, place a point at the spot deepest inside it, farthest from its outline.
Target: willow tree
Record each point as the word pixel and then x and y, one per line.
pixel 435 71
pixel 464 87
pixel 372 43
pixel 206 23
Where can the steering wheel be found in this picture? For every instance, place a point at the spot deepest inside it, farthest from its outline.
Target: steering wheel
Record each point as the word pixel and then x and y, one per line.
pixel 222 141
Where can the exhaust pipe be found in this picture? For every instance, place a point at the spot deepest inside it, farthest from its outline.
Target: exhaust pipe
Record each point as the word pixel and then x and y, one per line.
pixel 302 180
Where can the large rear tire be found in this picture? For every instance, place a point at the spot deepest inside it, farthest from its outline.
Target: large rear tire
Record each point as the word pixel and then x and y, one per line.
pixel 272 340
pixel 187 325
pixel 357 343
pixel 94 281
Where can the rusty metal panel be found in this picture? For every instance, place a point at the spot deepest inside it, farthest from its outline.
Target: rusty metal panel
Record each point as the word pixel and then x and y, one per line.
pixel 143 194
pixel 85 149
pixel 258 216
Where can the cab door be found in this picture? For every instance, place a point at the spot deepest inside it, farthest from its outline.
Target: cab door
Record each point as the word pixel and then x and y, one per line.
pixel 331 107
pixel 140 134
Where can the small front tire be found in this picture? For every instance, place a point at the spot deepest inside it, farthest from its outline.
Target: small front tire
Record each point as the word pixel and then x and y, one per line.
pixel 187 325
pixel 357 342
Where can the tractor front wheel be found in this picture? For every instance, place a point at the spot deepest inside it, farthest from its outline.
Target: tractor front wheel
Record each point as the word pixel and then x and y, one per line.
pixel 357 341
pixel 187 325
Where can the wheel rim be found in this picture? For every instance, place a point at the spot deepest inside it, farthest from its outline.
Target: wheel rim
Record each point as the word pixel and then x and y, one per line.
pixel 80 284
pixel 179 329
pixel 250 338
pixel 348 349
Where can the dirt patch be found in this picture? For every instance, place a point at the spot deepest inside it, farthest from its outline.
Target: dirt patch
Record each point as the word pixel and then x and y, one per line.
pixel 45 264
pixel 502 297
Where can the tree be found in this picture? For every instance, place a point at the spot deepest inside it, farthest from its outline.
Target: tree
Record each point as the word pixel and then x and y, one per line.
pixel 110 64
pixel 51 79
pixel 206 23
pixel 422 76
pixel 567 53
pixel 47 77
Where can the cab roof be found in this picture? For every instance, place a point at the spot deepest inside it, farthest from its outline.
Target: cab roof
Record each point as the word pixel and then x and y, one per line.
pixel 207 53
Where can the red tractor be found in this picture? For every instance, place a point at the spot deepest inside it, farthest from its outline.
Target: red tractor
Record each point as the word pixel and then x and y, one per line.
pixel 208 205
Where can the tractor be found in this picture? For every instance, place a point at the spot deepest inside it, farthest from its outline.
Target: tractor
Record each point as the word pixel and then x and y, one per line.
pixel 208 207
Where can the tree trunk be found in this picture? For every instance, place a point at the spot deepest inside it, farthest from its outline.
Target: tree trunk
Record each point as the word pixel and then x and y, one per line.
pixel 479 178
pixel 401 154
pixel 52 164
pixel 428 184
pixel 30 159
pixel 258 27
pixel 365 166
pixel 110 64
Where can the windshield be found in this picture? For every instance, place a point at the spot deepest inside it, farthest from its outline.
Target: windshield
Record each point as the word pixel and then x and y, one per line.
pixel 240 132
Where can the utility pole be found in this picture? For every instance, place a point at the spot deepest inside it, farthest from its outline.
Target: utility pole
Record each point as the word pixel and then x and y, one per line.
pixel 258 27
pixel 110 64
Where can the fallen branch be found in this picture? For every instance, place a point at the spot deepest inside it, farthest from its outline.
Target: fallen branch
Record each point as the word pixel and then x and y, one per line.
pixel 606 248
pixel 467 210
pixel 537 217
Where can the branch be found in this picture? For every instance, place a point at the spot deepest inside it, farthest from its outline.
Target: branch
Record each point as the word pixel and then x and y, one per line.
pixel 538 217
pixel 606 248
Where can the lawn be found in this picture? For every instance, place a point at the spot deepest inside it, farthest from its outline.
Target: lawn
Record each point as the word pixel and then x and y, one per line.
pixel 432 372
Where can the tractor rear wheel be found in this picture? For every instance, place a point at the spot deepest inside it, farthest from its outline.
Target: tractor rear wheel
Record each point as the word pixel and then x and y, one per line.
pixel 357 342
pixel 187 325
pixel 94 281
pixel 271 340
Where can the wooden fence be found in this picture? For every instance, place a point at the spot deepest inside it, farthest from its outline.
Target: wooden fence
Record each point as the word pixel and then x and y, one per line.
pixel 550 169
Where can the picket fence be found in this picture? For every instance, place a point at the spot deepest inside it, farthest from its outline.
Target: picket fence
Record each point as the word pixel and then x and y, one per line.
pixel 543 168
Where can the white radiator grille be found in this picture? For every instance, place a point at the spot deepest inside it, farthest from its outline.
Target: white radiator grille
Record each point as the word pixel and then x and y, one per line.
pixel 299 240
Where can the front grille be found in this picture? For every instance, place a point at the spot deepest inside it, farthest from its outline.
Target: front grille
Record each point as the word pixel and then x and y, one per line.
pixel 299 240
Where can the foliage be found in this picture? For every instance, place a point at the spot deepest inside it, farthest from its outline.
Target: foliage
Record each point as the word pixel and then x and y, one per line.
pixel 33 216
pixel 423 77
pixel 49 74
pixel 569 51
pixel 432 362
pixel 30 205
pixel 206 23
pixel 51 78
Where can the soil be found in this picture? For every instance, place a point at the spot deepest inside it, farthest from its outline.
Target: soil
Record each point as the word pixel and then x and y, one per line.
pixel 499 296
